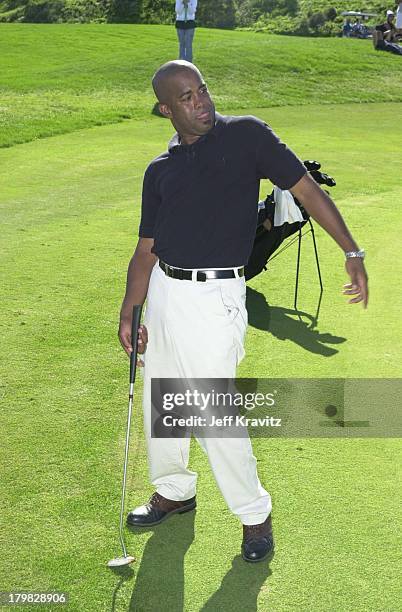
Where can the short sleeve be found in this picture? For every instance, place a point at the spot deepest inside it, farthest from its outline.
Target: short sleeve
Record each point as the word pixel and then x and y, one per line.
pixel 275 161
pixel 150 205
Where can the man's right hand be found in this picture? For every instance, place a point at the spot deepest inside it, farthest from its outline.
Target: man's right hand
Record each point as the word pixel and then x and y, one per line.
pixel 138 275
pixel 124 335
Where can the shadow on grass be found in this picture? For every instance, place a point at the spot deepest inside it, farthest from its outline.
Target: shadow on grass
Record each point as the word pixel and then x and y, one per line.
pixel 124 573
pixel 240 587
pixel 159 582
pixel 282 324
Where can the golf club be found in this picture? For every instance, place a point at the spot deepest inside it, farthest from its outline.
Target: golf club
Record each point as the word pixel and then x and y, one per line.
pixel 126 559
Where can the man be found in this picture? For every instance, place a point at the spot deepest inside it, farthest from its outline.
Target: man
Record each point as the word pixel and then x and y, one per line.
pixel 185 25
pixel 399 18
pixel 388 28
pixel 382 44
pixel 347 28
pixel 198 223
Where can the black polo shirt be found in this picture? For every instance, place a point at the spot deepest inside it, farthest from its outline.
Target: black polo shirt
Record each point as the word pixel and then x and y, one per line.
pixel 199 201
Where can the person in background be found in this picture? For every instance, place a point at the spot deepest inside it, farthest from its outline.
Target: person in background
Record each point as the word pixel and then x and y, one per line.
pixel 388 28
pixel 357 29
pixel 383 45
pixel 347 28
pixel 398 23
pixel 185 25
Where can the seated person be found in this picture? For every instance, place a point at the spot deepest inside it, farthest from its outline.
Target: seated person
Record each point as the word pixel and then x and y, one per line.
pixel 382 45
pixel 388 28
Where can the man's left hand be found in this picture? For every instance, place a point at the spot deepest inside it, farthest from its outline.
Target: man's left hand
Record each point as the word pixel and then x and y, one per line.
pixel 359 281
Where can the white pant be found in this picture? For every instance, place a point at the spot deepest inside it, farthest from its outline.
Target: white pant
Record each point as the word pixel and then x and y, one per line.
pixel 196 330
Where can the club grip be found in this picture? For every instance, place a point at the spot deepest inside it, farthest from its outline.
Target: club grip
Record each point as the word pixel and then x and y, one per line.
pixel 135 323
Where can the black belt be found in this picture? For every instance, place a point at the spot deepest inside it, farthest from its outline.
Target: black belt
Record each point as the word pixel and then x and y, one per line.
pixel 202 275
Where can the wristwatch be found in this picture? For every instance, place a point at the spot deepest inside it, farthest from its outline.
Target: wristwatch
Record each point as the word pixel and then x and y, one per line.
pixel 350 254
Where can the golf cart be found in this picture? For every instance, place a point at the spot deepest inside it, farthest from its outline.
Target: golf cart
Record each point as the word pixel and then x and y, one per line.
pixel 358 29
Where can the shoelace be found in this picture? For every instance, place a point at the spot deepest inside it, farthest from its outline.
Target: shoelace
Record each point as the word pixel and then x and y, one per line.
pixel 154 499
pixel 159 500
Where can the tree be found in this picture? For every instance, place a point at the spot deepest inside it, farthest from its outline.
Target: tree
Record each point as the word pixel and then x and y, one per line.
pixel 125 11
pixel 291 6
pixel 244 13
pixel 330 14
pixel 263 6
pixel 255 8
pixel 43 11
pixel 316 20
pixel 158 11
pixel 213 14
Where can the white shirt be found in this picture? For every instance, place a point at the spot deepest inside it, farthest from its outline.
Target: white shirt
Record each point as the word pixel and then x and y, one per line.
pixel 181 13
pixel 398 23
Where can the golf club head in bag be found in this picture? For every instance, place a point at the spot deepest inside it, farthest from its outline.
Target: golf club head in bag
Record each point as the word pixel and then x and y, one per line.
pixel 266 242
pixel 127 559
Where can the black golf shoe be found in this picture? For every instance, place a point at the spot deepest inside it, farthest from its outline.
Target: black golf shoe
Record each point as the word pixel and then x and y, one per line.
pixel 158 509
pixel 258 541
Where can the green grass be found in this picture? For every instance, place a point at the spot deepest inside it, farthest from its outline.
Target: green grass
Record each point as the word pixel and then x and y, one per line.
pixel 70 216
pixel 59 78
pixel 70 210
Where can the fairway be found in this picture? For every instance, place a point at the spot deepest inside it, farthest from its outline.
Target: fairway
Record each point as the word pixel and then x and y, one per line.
pixel 59 78
pixel 70 207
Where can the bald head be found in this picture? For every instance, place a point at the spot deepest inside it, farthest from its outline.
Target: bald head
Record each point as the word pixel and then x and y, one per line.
pixel 184 99
pixel 164 78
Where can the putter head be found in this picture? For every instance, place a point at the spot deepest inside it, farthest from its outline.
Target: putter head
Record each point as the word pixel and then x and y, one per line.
pixel 120 561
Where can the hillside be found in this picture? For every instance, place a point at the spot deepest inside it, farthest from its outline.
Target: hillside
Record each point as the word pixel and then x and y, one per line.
pixel 70 210
pixel 59 78
pixel 211 13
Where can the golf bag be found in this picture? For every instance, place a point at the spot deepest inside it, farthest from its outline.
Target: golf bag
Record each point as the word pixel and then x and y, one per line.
pixel 266 241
